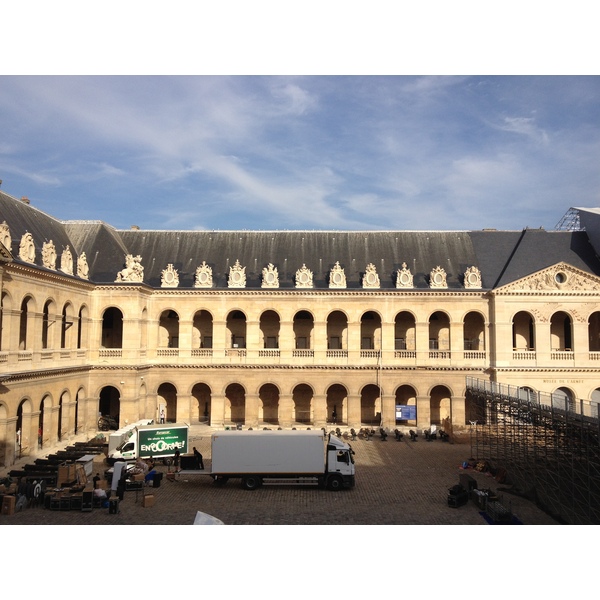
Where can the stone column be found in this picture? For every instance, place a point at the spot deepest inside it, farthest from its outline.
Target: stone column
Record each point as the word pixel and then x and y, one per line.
pixel 388 411
pixel 217 410
pixel 286 409
pixel 354 342
pixel 387 342
pixel 251 417
pixel 542 341
pixel 185 338
pixel 319 402
pixel 354 412
pixel 457 344
pixel 221 340
pixel 286 339
pixel 422 342
pixel 457 411
pixel 423 412
pixel 183 408
pixel 320 340
pixel 8 441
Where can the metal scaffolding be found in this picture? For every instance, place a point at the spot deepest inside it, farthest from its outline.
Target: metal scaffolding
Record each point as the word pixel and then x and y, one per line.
pixel 570 221
pixel 550 452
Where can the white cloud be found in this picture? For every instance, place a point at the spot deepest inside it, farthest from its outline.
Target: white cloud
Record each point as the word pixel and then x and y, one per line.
pixel 524 126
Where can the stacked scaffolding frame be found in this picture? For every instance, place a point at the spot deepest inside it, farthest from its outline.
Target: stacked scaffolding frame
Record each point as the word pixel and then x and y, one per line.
pixel 551 453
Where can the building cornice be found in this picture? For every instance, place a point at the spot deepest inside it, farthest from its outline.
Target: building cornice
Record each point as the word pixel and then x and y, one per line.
pixel 41 274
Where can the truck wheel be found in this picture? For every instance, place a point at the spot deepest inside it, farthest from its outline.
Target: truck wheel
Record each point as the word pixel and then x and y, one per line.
pixel 251 482
pixel 335 483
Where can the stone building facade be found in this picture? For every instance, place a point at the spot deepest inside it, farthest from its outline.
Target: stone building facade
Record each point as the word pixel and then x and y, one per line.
pixel 284 329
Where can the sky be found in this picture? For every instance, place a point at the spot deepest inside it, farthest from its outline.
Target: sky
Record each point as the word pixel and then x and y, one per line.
pixel 303 152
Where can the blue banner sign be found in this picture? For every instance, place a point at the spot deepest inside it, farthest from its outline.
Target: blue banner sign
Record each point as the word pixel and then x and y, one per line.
pixel 406 412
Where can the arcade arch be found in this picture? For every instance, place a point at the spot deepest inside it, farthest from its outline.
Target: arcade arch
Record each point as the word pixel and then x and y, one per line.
pixel 167 397
pixel 302 396
pixel 202 395
pixel 337 401
pixel 268 407
pixel 370 405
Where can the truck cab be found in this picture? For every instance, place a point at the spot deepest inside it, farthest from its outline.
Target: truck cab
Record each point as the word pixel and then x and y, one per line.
pixel 340 464
pixel 127 450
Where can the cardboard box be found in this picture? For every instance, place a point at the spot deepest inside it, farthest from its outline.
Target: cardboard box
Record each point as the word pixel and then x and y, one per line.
pixel 148 500
pixel 138 477
pixel 8 505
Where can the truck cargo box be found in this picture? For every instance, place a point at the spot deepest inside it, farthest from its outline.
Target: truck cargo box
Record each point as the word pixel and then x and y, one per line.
pixel 269 452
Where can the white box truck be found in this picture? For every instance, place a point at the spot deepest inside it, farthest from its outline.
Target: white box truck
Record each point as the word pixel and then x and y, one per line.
pixel 299 457
pixel 156 441
pixel 117 438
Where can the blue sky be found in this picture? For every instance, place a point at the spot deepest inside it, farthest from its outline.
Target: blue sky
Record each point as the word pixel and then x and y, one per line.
pixel 333 149
pixel 314 152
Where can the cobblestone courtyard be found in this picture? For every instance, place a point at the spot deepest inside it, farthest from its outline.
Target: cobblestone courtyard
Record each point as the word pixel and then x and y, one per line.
pixel 397 483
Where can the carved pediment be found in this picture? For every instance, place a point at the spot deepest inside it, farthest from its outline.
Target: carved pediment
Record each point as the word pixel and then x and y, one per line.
pixel 404 278
pixel 337 277
pixel 270 277
pixel 560 277
pixel 437 278
pixel 304 277
pixel 237 276
pixel 169 277
pixel 370 278
pixel 472 278
pixel 204 277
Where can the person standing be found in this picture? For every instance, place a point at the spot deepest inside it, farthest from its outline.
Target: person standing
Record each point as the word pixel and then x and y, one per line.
pixel 176 461
pixel 199 460
pixel 162 416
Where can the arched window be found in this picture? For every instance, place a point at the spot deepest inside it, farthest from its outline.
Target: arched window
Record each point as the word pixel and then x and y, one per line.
pixel 523 332
pixel 112 328
pixel 561 332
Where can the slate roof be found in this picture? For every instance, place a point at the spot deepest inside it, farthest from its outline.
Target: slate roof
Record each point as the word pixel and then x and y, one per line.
pixel 501 256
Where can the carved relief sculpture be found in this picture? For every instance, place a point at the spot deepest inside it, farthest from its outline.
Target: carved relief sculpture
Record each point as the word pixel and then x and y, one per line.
pixel 5 236
pixel 203 276
pixel 270 277
pixel 169 277
pixel 237 276
pixel 437 278
pixel 559 277
pixel 133 270
pixel 337 277
pixel 370 278
pixel 49 255
pixel 83 269
pixel 304 277
pixel 66 261
pixel 404 278
pixel 473 278
pixel 27 248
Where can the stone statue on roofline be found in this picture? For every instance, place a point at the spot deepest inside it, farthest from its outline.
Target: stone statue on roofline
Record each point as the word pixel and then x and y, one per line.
pixel 133 271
